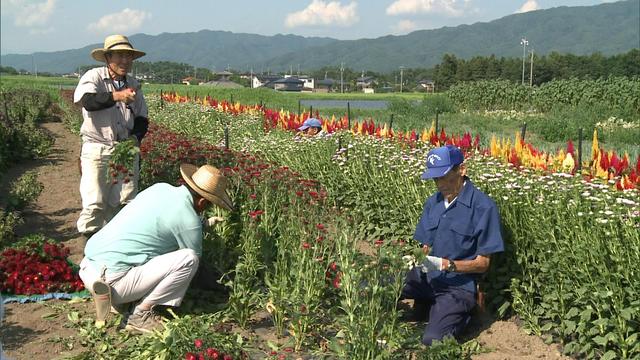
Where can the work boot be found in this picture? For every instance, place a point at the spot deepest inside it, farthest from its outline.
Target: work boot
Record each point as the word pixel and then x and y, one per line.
pixel 145 321
pixel 101 292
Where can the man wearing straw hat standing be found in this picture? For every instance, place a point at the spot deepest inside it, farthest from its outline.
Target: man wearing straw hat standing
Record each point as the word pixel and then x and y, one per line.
pixel 113 110
pixel 150 251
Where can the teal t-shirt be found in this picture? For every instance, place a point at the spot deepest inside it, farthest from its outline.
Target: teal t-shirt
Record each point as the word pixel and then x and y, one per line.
pixel 161 219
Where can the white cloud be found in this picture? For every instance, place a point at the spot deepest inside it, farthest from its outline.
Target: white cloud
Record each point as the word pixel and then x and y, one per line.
pixel 530 5
pixel 29 13
pixel 447 7
pixel 41 31
pixel 321 12
pixel 121 22
pixel 405 26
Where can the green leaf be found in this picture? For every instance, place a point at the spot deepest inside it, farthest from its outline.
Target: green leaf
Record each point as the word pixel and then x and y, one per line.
pixel 609 355
pixel 547 326
pixel 272 345
pixel 632 339
pixel 572 313
pixel 73 316
pixel 600 340
pixel 627 313
pixel 570 326
pixel 601 322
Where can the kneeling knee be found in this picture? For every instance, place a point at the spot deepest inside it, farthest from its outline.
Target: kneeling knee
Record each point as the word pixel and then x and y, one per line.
pixel 191 258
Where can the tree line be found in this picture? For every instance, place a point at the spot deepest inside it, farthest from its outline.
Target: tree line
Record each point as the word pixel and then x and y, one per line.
pixel 453 70
pixel 450 71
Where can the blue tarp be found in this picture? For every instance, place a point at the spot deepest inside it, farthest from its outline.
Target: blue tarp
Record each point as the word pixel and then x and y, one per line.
pixel 42 297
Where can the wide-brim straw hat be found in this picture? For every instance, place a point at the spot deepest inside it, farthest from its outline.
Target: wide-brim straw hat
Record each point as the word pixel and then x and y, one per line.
pixel 209 182
pixel 113 43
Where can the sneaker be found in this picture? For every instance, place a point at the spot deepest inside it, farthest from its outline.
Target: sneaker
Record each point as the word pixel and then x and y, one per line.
pixel 144 321
pixel 102 299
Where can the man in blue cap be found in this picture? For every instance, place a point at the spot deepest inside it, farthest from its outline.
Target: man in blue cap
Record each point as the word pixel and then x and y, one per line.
pixel 311 127
pixel 459 230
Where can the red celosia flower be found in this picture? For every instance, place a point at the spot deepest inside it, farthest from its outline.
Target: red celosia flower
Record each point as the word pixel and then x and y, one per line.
pixel 197 343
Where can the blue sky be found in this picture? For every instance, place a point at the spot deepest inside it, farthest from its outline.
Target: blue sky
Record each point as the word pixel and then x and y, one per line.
pixel 49 25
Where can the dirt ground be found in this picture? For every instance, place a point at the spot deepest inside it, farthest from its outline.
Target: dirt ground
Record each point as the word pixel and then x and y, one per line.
pixel 37 330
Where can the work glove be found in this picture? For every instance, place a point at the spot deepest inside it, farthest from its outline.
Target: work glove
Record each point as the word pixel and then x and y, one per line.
pixel 409 261
pixel 431 263
pixel 212 221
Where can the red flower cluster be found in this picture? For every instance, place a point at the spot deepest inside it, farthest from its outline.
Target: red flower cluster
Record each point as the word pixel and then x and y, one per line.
pixel 333 275
pixel 37 270
pixel 256 214
pixel 209 353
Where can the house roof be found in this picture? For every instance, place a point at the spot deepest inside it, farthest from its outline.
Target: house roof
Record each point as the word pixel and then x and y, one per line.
pixel 289 80
pixel 224 73
pixel 364 78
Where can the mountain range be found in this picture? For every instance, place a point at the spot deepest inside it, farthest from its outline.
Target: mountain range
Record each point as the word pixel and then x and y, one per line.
pixel 608 28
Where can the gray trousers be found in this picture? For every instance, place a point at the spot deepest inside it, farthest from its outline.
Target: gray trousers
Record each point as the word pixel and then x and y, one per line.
pixel 162 280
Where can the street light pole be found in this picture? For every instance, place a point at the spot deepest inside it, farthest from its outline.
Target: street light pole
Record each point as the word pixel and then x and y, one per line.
pixel 524 42
pixel 531 71
pixel 401 70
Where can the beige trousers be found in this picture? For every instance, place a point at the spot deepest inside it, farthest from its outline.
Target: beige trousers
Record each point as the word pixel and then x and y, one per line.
pixel 101 199
pixel 163 280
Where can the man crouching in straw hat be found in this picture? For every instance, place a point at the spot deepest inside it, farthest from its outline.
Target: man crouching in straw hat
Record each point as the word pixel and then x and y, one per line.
pixel 148 254
pixel 113 109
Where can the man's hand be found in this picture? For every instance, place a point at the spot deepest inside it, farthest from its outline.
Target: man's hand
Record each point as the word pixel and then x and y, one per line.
pixel 431 263
pixel 126 96
pixel 212 221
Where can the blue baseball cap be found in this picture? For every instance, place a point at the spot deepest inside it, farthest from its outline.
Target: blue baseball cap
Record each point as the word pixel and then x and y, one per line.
pixel 310 122
pixel 441 160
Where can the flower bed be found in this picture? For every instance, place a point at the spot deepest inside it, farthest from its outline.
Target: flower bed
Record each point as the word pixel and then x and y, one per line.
pixel 37 266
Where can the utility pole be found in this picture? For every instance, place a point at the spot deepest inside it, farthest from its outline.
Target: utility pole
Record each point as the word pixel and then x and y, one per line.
pixel 341 78
pixel 251 79
pixel 298 70
pixel 531 71
pixel 401 71
pixel 524 42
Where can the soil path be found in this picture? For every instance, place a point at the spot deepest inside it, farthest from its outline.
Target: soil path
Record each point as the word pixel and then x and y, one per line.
pixel 37 331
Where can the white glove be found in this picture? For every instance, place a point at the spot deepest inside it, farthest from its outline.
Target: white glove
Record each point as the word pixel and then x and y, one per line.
pixel 212 221
pixel 410 261
pixel 431 263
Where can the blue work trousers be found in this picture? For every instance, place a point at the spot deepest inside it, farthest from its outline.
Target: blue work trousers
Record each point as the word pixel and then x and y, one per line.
pixel 450 306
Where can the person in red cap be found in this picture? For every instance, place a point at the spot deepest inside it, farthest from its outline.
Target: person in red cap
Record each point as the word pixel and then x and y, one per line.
pixel 459 230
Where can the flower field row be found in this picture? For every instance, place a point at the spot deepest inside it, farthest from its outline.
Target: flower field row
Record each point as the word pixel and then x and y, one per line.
pixel 600 164
pixel 571 243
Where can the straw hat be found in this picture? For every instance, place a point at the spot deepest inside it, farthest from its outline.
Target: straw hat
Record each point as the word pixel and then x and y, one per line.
pixel 113 43
pixel 208 182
